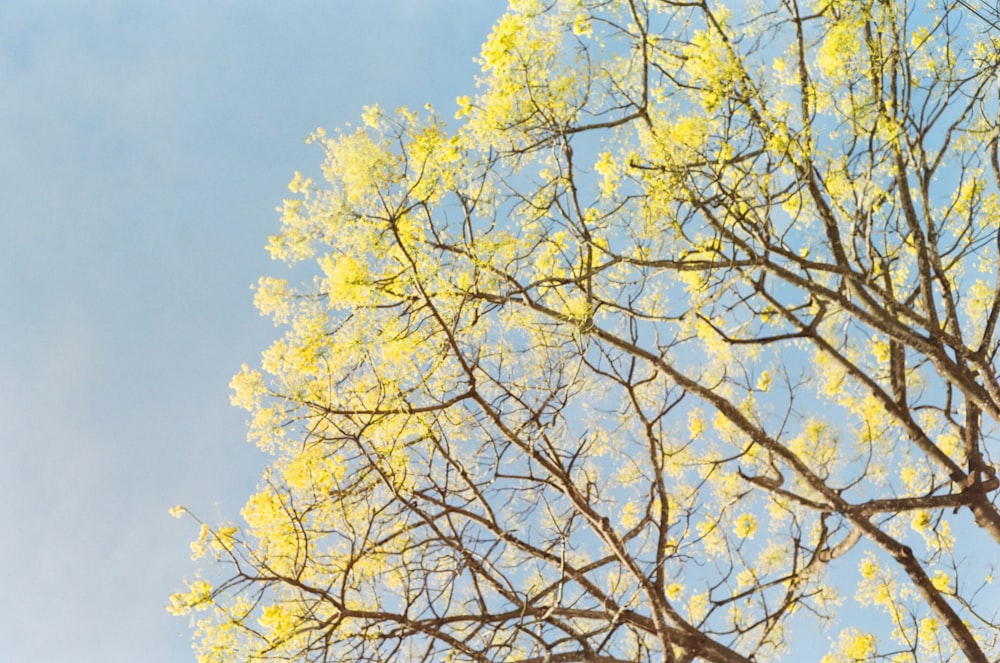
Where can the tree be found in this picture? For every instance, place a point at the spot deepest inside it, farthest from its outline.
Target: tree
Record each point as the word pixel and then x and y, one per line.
pixel 681 344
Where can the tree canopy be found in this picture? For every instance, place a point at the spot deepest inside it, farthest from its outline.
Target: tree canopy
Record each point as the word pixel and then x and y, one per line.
pixel 678 344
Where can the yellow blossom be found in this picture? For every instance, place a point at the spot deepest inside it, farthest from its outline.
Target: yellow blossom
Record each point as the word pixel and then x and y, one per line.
pixel 746 526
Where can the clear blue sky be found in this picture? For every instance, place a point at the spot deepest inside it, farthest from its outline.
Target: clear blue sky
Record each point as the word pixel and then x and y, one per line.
pixel 143 148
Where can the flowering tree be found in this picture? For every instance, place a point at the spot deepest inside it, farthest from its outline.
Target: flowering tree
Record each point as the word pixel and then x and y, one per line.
pixel 682 343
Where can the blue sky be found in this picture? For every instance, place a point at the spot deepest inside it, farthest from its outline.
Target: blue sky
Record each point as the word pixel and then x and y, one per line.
pixel 144 147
